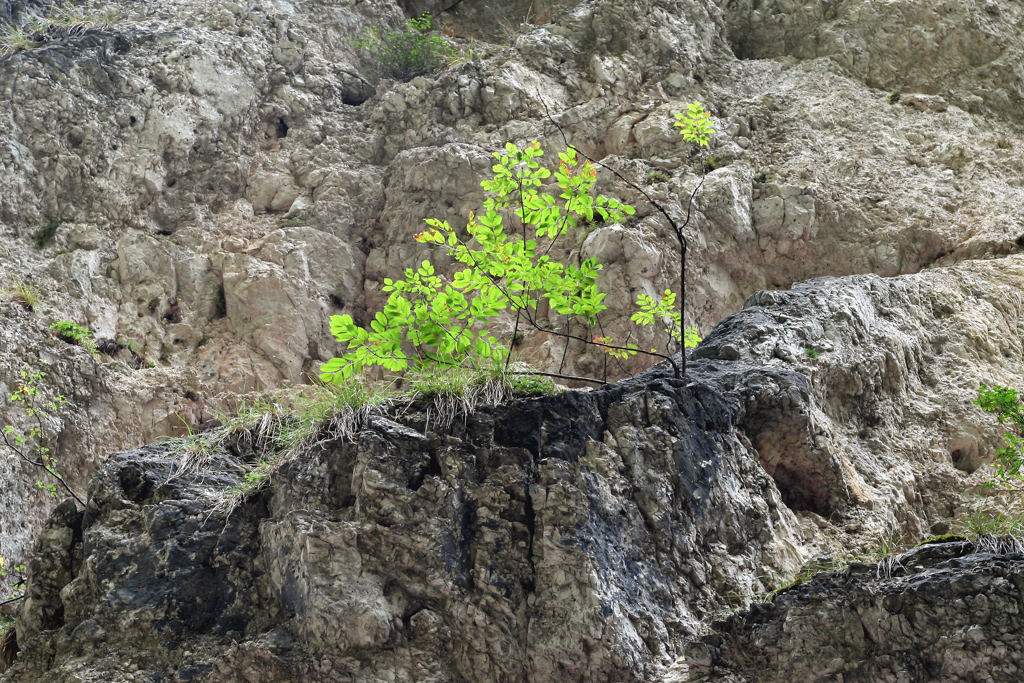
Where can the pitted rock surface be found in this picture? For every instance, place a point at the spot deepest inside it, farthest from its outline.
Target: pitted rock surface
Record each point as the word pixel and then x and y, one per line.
pixel 947 612
pixel 590 535
pixel 223 177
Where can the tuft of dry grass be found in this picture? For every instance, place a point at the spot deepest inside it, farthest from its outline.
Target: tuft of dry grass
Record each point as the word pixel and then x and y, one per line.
pixel 60 22
pixel 22 294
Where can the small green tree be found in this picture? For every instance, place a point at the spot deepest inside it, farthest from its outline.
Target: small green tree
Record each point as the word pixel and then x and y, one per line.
pixel 1006 405
pixel 431 321
pixel 507 266
pixel 42 411
pixel 402 53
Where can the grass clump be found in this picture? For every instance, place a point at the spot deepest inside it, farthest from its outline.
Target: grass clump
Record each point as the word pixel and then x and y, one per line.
pixel 812 353
pixel 264 432
pixel 73 333
pixel 455 392
pixel 402 53
pixel 268 431
pixel 60 22
pixel 656 176
pixel 977 524
pixel 21 293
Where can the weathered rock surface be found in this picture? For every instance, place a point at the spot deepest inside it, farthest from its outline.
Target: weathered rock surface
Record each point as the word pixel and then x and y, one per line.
pixel 223 178
pixel 220 178
pixel 586 536
pixel 946 612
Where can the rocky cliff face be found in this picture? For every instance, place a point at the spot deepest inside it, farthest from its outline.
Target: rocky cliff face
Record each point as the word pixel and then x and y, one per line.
pixel 205 183
pixel 586 536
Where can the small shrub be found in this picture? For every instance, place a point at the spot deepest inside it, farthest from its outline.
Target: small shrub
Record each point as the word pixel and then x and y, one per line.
pixel 31 446
pixel 657 177
pixel 812 353
pixel 73 333
pixel 1006 405
pixel 45 234
pixel 894 97
pixel 403 53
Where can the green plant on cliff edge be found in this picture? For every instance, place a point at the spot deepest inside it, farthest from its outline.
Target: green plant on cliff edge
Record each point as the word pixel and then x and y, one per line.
pixel 402 53
pixel 73 333
pixel 1006 405
pixel 22 294
pixel 430 321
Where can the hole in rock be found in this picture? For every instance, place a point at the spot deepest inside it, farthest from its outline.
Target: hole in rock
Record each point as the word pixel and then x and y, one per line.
pixel 965 456
pixel 173 315
pixel 1020 240
pixel 134 482
pixel 281 128
pixel 801 492
pixel 353 99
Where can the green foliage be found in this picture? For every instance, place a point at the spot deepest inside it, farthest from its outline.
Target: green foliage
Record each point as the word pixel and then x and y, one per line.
pixel 42 410
pixel 427 320
pixel 13 577
pixel 664 310
pixel 1006 405
pixel 657 177
pixel 432 321
pixel 402 53
pixel 45 234
pixel 812 353
pixel 73 333
pixel 695 124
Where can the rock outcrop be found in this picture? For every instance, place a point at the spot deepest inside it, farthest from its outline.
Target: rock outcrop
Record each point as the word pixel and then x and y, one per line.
pixel 203 184
pixel 208 183
pixel 590 535
pixel 945 612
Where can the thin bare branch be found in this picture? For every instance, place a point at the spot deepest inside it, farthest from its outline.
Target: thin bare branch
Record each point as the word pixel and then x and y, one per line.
pixel 42 466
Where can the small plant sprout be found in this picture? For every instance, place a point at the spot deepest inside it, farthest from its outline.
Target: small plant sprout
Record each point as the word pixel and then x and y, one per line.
pixel 812 353
pixel 695 124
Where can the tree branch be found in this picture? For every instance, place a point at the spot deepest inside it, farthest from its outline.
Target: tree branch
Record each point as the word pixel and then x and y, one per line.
pixel 42 466
pixel 678 229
